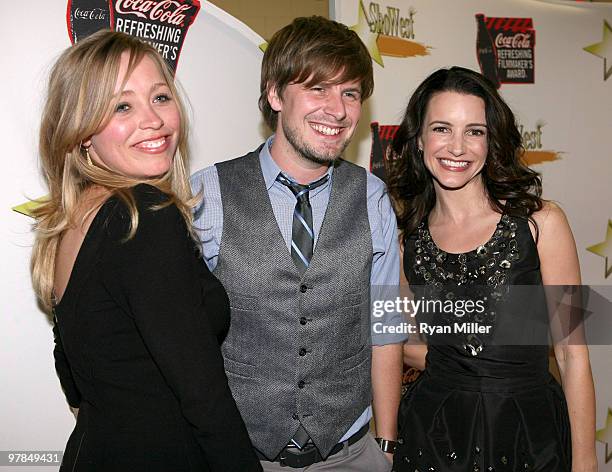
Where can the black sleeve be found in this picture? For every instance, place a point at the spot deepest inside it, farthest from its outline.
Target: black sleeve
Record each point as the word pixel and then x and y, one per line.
pixel 64 373
pixel 156 276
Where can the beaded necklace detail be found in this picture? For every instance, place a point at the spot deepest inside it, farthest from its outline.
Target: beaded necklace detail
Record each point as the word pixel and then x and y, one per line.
pixel 484 271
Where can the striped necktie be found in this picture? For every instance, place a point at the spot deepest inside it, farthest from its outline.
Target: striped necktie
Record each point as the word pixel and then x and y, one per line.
pixel 302 233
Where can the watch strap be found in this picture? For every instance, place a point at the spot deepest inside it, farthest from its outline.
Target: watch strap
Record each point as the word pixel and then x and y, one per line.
pixel 386 445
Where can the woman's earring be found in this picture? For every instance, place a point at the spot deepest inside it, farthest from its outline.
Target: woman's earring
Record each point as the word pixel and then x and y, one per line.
pixel 420 151
pixel 89 163
pixel 87 156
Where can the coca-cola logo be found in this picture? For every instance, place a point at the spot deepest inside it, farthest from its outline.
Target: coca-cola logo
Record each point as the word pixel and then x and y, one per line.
pixel 161 23
pixel 95 14
pixel 519 40
pixel 506 49
pixel 165 11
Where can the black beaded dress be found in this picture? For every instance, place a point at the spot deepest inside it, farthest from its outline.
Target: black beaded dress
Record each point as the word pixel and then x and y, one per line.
pixel 481 406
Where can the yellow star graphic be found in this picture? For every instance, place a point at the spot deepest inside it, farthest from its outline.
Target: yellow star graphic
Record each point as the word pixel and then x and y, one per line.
pixel 605 435
pixel 362 28
pixel 603 49
pixel 604 249
pixel 27 207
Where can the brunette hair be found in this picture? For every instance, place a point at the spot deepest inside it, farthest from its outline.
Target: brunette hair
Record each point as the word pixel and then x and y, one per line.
pixel 79 103
pixel 313 50
pixel 505 176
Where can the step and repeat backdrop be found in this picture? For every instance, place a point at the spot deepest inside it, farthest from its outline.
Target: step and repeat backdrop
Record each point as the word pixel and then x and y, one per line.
pixel 551 60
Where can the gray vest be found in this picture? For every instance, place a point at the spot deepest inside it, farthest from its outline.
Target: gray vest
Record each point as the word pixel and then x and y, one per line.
pixel 299 347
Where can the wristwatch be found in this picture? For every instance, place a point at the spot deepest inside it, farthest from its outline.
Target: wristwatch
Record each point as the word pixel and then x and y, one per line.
pixel 386 445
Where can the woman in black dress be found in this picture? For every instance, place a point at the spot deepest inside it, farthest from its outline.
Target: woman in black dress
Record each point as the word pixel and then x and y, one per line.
pixel 138 317
pixel 475 227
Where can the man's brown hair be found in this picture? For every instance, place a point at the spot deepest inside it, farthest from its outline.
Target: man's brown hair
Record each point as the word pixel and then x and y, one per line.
pixel 313 50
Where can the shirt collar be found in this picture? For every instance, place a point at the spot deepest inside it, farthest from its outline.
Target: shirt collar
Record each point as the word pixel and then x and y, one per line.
pixel 271 170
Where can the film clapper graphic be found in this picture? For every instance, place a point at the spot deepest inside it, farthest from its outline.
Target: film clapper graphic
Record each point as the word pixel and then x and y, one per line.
pixel 162 23
pixel 505 48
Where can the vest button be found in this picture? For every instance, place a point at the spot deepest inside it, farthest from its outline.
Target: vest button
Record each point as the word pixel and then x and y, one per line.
pixel 303 288
pixel 303 320
pixel 302 352
pixel 301 384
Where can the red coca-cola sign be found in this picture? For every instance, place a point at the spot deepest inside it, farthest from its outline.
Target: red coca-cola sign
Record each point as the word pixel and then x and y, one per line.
pixel 161 23
pixel 171 12
pixel 506 49
pixel 382 137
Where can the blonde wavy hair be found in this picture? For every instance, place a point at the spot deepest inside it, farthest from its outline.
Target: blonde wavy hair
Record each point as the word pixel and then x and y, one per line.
pixel 80 101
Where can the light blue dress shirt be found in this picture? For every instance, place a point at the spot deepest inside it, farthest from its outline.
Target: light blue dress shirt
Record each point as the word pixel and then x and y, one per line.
pixel 385 262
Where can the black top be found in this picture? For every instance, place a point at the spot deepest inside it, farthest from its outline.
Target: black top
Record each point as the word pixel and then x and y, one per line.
pixel 137 337
pixel 486 400
pixel 504 275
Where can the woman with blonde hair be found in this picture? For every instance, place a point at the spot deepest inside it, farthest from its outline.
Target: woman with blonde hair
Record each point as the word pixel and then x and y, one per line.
pixel 138 318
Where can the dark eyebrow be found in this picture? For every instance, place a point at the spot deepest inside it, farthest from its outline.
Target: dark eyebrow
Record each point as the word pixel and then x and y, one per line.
pixel 450 124
pixel 328 83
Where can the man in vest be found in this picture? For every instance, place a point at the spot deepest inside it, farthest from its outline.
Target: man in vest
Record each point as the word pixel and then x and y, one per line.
pixel 297 236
